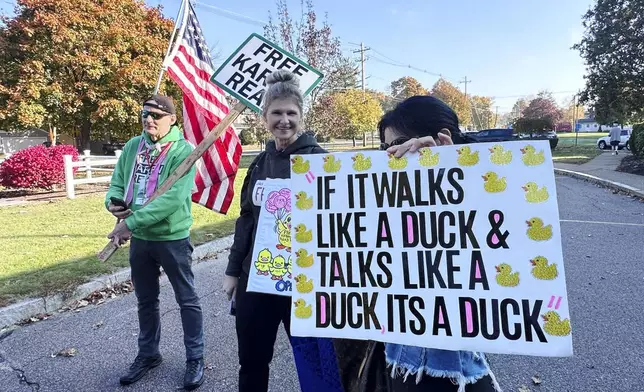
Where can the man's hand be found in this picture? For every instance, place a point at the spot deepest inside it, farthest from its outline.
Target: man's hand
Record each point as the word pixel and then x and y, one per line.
pixel 230 286
pixel 121 234
pixel 118 211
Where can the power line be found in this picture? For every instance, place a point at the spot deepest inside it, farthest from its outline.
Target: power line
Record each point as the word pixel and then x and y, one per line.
pixel 231 14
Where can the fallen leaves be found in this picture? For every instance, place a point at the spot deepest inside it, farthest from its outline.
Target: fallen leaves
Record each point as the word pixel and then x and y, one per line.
pixel 536 380
pixel 34 319
pixel 523 388
pixel 68 352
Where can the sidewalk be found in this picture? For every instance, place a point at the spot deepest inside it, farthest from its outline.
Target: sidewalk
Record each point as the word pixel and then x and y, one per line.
pixel 604 168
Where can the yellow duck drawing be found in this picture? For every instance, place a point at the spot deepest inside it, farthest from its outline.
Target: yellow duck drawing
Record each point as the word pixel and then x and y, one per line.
pixel 303 201
pixel 531 157
pixel 360 162
pixel 303 235
pixel 302 310
pixel 299 165
pixel 283 230
pixel 493 183
pixel 537 231
pixel 466 157
pixel 289 267
pixel 505 276
pixel 542 270
pixel 553 325
pixel 263 262
pixel 331 165
pixel 535 195
pixel 303 258
pixel 397 163
pixel 303 284
pixel 499 155
pixel 278 268
pixel 428 158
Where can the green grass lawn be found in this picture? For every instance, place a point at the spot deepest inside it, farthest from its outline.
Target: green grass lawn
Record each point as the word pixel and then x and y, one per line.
pixel 577 149
pixel 52 247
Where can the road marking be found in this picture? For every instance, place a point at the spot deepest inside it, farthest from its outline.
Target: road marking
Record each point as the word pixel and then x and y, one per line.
pixel 602 223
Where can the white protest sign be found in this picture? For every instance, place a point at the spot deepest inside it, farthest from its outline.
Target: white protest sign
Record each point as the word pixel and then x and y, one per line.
pixel 270 266
pixel 243 74
pixel 455 247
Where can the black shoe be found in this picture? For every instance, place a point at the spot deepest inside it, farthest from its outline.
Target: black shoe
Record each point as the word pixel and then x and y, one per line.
pixel 139 368
pixel 194 374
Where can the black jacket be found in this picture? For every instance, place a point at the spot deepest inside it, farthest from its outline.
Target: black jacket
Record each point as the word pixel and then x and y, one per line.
pixel 268 164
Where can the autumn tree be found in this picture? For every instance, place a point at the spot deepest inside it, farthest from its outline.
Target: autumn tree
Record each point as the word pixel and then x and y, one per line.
pixel 571 112
pixel 518 108
pixel 362 112
pixel 406 87
pixel 545 108
pixel 482 112
pixel 614 55
pixel 453 97
pixel 81 65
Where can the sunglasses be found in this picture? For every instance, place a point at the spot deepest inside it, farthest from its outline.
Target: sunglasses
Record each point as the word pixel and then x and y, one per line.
pixel 155 116
pixel 397 142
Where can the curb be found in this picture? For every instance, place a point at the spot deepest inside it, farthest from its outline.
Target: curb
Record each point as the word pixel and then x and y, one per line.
pixel 26 309
pixel 632 191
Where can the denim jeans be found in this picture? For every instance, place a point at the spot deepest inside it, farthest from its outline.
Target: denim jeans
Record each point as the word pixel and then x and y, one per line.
pixel 175 257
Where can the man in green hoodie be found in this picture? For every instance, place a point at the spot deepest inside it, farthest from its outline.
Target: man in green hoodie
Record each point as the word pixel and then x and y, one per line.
pixel 159 233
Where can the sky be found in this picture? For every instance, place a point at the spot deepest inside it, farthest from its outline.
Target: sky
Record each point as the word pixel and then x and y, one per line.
pixel 505 48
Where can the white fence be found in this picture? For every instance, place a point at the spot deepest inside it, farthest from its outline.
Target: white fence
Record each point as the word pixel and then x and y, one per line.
pixel 88 163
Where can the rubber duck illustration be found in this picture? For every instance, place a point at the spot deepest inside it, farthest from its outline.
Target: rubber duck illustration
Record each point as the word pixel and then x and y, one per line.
pixel 283 230
pixel 428 158
pixel 278 268
pixel 466 157
pixel 499 155
pixel 303 235
pixel 397 163
pixel 360 162
pixel 263 262
pixel 299 165
pixel 493 183
pixel 331 165
pixel 531 157
pixel 303 201
pixel 537 231
pixel 303 258
pixel 302 310
pixel 505 276
pixel 303 284
pixel 553 325
pixel 542 270
pixel 535 195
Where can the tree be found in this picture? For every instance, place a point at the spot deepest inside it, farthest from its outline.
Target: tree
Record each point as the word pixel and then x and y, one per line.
pixel 612 49
pixel 482 112
pixel 569 114
pixel 361 110
pixel 453 97
pixel 518 108
pixel 84 66
pixel 543 108
pixel 406 87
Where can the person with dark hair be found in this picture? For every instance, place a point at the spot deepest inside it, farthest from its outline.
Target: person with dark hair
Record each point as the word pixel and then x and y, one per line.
pixel 417 122
pixel 160 233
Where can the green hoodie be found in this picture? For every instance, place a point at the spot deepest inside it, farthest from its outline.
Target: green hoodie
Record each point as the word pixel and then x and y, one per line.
pixel 169 216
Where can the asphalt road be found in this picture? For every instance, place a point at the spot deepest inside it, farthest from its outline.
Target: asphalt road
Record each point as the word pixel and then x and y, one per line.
pixel 605 277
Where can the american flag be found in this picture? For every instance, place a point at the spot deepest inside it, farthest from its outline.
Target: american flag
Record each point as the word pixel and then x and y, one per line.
pixel 204 106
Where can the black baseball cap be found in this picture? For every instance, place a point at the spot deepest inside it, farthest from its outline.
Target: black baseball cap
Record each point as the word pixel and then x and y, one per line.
pixel 161 102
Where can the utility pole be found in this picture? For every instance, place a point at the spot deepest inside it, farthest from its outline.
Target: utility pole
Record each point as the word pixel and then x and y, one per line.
pixel 574 117
pixel 362 61
pixel 465 81
pixel 496 116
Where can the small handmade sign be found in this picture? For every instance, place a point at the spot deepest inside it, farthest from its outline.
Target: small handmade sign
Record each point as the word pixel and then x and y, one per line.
pixel 453 247
pixel 271 268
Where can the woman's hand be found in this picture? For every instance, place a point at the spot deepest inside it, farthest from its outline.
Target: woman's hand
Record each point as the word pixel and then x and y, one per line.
pixel 230 286
pixel 413 145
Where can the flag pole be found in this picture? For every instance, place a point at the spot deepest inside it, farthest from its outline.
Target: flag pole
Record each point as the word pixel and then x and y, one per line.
pixel 167 52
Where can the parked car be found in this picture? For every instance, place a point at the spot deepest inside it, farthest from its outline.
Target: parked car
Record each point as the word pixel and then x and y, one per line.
pixel 506 135
pixel 549 135
pixel 110 147
pixel 604 142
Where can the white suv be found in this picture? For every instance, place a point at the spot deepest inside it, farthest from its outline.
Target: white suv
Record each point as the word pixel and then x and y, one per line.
pixel 604 142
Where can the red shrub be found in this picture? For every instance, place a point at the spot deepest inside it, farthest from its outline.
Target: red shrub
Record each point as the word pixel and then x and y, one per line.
pixel 36 167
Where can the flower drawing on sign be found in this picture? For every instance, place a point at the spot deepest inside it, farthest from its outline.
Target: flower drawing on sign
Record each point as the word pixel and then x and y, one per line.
pixel 535 195
pixel 537 231
pixel 303 284
pixel 542 270
pixel 493 183
pixel 279 204
pixel 360 162
pixel 264 262
pixel 302 235
pixel 331 165
pixel 428 158
pixel 554 326
pixel 505 276
pixel 303 258
pixel 299 165
pixel 302 310
pixel 397 163
pixel 303 201
pixel 531 157
pixel 467 157
pixel 278 268
pixel 500 156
